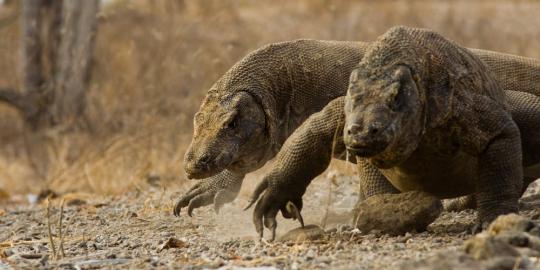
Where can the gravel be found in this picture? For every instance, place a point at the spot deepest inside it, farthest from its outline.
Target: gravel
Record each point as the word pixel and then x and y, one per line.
pixel 138 230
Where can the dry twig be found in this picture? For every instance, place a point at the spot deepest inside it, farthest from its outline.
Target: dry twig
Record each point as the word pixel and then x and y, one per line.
pixel 329 201
pixel 51 240
pixel 60 229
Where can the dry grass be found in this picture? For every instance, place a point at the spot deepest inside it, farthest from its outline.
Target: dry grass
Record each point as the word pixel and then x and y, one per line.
pixel 156 59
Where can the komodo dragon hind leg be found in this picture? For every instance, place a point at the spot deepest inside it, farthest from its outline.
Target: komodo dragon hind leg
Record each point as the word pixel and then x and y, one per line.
pixel 525 110
pixel 469 202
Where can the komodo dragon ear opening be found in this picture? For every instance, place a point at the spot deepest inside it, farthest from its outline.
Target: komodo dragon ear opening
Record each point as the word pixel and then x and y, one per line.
pixel 266 104
pixel 245 97
pixel 234 104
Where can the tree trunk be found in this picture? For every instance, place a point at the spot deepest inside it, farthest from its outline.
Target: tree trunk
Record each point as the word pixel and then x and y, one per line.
pixel 74 59
pixel 57 47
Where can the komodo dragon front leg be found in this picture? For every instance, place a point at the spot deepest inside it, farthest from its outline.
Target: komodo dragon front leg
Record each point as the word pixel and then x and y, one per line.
pixel 219 189
pixel 305 154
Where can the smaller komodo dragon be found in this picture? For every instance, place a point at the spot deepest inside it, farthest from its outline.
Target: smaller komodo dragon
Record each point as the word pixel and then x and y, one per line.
pixel 422 114
pixel 255 106
pixel 249 112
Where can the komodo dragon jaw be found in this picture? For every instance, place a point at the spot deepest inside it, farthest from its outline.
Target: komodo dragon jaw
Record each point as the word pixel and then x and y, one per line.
pixel 206 164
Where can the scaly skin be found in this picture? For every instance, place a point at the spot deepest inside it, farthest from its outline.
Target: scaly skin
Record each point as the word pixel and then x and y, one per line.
pixel 290 175
pixel 289 82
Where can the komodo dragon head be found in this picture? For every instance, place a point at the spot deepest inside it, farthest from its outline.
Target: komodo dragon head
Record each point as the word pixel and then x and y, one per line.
pixel 229 133
pixel 387 106
pixel 383 115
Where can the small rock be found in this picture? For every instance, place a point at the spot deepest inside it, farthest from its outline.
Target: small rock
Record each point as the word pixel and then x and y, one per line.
pixel 166 234
pixel 8 252
pixel 483 246
pixel 513 222
pixel 324 259
pixel 397 214
pixel 344 228
pixel 173 243
pixel 75 202
pixel 506 263
pixel 307 233
pixel 331 230
pixel 514 238
pixel 31 256
pixel 311 254
pixel 444 261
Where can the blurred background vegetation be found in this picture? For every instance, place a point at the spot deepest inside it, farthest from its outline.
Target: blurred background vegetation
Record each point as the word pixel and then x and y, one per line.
pixel 155 60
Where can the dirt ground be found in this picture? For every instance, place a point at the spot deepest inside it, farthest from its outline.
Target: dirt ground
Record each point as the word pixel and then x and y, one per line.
pixel 138 230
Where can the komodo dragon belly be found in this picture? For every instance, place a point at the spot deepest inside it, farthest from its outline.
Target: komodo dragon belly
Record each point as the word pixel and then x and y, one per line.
pixel 443 176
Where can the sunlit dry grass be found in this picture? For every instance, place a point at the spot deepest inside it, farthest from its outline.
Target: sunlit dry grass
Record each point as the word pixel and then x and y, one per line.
pixel 156 59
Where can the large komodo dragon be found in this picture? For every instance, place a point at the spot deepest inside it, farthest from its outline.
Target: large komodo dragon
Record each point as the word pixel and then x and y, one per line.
pixel 249 112
pixel 422 113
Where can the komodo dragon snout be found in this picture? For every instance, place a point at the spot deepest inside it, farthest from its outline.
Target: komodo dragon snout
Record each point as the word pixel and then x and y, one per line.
pixel 383 115
pixel 228 134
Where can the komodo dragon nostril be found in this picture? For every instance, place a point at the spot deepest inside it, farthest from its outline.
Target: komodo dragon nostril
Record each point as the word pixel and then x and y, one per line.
pixel 353 129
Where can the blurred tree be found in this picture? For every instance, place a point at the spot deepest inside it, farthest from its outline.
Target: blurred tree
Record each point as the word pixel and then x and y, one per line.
pixel 57 43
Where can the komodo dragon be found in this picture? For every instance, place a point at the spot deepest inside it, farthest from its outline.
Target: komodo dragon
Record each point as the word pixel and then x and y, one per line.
pixel 249 112
pixel 423 113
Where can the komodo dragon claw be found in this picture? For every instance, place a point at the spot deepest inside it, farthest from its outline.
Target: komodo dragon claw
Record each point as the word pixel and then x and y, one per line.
pixel 218 190
pixel 261 187
pixel 267 207
pixel 291 208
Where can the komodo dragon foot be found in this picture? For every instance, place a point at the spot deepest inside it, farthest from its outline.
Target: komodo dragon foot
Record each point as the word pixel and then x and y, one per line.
pixel 271 202
pixel 219 190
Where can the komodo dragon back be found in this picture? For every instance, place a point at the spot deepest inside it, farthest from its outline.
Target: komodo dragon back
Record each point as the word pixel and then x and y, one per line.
pixel 512 72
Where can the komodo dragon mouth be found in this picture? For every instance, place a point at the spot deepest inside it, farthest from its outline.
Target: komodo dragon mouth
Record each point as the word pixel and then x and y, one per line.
pixel 205 167
pixel 368 147
pixel 367 151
